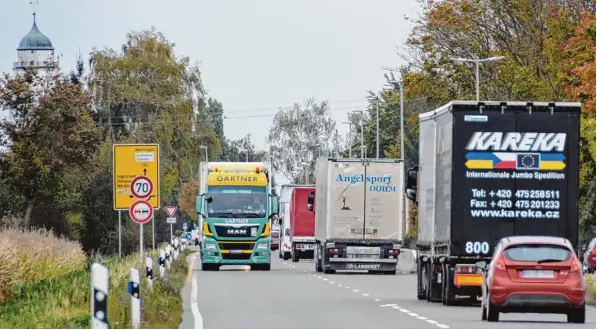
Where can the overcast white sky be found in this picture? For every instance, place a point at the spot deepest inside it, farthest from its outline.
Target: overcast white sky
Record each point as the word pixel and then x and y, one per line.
pixel 256 55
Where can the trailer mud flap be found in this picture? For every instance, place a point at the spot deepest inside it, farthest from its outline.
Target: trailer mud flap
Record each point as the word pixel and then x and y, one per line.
pixel 352 266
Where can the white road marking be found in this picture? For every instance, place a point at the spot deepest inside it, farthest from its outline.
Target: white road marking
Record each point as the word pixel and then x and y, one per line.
pixel 195 305
pixel 325 279
pixel 355 290
pixel 340 285
pixel 331 282
pixel 319 277
pixel 347 287
pixel 366 295
pixel 413 314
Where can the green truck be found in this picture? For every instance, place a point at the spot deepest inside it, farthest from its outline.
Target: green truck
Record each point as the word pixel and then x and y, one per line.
pixel 235 207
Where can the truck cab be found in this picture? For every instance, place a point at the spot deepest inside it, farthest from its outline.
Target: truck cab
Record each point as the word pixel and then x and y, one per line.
pixel 236 208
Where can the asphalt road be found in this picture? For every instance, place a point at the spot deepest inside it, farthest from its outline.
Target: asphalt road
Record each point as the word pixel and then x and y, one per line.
pixel 293 295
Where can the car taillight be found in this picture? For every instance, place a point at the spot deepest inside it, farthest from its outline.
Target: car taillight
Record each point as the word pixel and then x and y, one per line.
pixel 500 265
pixel 576 266
pixel 394 252
pixel 299 246
pixel 333 251
pixel 286 245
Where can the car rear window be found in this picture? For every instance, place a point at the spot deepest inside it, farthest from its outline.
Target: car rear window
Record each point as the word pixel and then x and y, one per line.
pixel 275 234
pixel 536 252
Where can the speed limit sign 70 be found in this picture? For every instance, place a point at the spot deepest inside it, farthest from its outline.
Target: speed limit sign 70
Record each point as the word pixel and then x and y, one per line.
pixel 141 187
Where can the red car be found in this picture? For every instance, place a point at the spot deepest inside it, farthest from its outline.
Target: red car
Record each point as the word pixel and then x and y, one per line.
pixel 533 274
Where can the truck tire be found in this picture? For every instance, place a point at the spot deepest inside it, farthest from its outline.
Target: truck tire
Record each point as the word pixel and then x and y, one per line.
pixel 328 270
pixel 286 255
pixel 420 291
pixel 428 289
pixel 280 254
pixel 317 262
pixel 295 258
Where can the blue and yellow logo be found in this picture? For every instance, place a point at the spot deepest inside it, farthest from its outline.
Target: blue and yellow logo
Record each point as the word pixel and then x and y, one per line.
pixel 515 161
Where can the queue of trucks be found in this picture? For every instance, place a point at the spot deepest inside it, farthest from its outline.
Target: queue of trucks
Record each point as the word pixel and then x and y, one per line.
pixel 486 170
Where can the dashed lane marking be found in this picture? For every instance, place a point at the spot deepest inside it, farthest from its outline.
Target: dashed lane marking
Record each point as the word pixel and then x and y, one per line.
pixel 415 315
pixel 394 306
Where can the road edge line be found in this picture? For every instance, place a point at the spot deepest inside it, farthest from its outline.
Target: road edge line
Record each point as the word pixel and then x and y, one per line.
pixel 195 297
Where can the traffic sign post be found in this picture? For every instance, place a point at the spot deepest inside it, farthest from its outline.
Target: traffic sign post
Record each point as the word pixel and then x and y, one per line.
pixel 132 161
pixel 136 178
pixel 171 219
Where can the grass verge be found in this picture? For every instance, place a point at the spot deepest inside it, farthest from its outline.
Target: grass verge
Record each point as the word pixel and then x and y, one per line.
pixel 590 294
pixel 62 300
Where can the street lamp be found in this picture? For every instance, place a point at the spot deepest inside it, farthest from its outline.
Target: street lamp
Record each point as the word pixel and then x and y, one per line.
pixel 400 85
pixel 376 98
pixel 477 61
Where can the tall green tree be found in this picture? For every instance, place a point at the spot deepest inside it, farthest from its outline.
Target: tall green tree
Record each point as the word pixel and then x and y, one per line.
pixel 50 137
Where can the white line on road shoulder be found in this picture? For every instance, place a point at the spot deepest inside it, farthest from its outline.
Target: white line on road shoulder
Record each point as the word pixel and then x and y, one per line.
pixel 376 299
pixel 194 304
pixel 355 290
pixel 443 326
pixel 331 282
pixel 365 294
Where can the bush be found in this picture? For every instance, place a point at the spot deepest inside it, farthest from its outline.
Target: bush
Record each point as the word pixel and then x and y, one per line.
pixel 61 300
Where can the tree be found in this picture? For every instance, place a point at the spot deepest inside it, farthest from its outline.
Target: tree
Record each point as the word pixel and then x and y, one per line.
pixel 298 136
pixel 52 134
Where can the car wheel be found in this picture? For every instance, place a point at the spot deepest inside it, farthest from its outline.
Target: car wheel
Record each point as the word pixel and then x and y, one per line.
pixel 493 314
pixel 577 315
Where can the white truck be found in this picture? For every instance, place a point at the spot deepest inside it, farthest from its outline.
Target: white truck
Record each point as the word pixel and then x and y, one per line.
pixel 358 214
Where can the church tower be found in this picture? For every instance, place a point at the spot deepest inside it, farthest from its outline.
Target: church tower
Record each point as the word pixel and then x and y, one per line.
pixel 35 51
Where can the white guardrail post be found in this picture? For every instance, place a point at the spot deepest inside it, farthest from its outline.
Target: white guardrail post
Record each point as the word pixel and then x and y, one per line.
pixel 176 248
pixel 100 285
pixel 162 262
pixel 133 289
pixel 149 271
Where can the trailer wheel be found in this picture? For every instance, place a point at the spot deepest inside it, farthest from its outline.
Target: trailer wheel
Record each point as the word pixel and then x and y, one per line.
pixel 295 258
pixel 420 291
pixel 286 255
pixel 428 291
pixel 317 261
pixel 328 270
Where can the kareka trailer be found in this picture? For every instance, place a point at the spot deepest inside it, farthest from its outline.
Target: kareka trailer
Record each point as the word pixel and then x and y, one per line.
pixel 488 170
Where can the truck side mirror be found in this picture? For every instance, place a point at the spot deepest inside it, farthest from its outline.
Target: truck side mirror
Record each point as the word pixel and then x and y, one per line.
pixel 310 200
pixel 411 183
pixel 199 205
pixel 274 200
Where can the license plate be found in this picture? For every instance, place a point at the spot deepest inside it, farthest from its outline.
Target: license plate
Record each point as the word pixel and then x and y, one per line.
pixel 537 274
pixel 363 250
pixel 236 251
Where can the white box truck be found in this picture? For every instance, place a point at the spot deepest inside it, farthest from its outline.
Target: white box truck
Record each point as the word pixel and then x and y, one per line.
pixel 358 214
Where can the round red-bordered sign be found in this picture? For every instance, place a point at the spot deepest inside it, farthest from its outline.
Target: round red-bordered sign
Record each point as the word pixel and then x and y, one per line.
pixel 141 187
pixel 141 212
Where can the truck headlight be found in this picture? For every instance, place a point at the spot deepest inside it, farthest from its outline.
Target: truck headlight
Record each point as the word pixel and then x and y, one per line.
pixel 210 246
pixel 261 246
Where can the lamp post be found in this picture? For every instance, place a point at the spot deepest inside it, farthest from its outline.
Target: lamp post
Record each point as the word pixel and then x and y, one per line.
pixel 477 61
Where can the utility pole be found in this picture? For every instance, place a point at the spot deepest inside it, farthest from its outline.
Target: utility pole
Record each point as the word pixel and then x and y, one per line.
pixel 349 137
pixel 376 97
pixel 362 136
pixel 477 61
pixel 199 165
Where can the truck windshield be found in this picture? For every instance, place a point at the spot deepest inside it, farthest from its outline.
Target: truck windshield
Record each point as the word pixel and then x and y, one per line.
pixel 237 202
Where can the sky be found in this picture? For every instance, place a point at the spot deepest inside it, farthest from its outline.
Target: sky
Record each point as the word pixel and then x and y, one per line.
pixel 255 55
